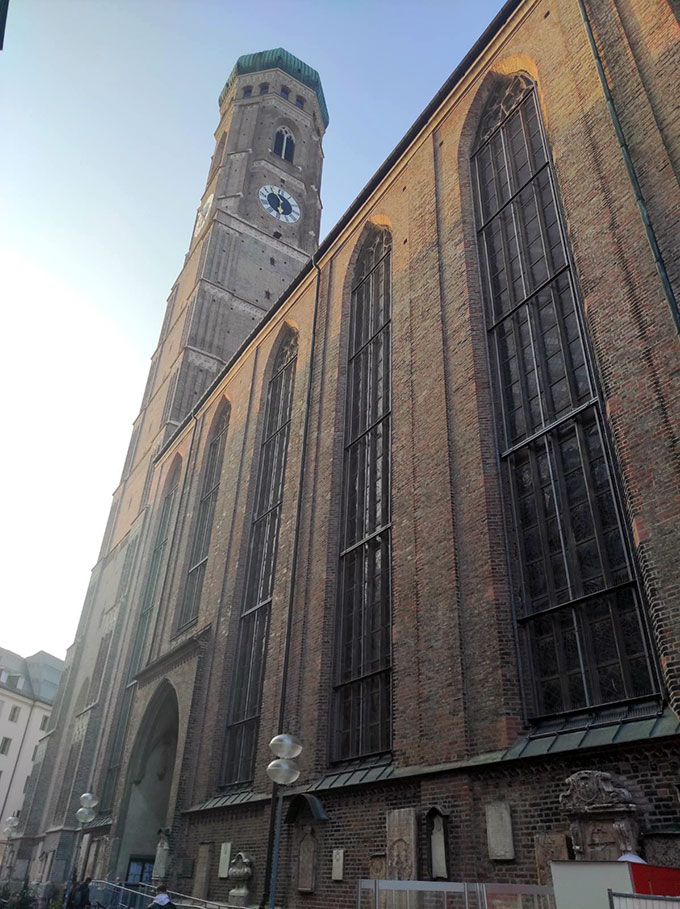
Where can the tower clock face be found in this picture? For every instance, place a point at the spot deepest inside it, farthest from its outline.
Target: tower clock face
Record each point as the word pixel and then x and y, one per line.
pixel 280 204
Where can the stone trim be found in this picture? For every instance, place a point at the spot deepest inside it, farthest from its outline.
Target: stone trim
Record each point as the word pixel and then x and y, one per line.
pixel 184 652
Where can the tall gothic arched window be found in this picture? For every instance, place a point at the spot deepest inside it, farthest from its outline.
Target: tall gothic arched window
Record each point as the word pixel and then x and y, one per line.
pixel 212 470
pixel 117 741
pixel 155 563
pixel 582 635
pixel 284 144
pixel 363 637
pixel 249 664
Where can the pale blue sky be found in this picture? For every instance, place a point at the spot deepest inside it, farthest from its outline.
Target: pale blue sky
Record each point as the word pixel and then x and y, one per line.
pixel 107 112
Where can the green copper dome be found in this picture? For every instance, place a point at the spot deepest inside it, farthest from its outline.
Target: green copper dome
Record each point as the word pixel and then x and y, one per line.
pixel 279 59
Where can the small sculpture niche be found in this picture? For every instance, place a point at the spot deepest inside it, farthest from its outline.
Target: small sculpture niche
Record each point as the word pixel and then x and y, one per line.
pixel 438 843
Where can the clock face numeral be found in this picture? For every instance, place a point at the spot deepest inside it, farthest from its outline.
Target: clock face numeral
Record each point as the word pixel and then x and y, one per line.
pixel 279 204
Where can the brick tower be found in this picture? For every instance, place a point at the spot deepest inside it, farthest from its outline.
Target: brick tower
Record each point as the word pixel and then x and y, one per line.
pixel 257 224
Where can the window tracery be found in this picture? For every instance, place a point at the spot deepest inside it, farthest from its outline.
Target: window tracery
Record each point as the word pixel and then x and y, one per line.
pixel 284 144
pixel 362 672
pixel 249 664
pixel 204 520
pixel 578 605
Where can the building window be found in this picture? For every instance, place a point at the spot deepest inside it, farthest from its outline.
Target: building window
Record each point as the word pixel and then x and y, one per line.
pixel 259 586
pixel 206 511
pixel 14 713
pixel 582 636
pixel 35 751
pixel 362 672
pixel 299 102
pixel 285 92
pixel 214 164
pixel 264 88
pixel 4 745
pixel 155 564
pixel 284 144
pixel 248 91
pixel 44 721
pixel 11 679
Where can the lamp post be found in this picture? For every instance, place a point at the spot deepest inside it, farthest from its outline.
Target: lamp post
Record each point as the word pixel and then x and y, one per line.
pixel 85 815
pixel 283 771
pixel 11 824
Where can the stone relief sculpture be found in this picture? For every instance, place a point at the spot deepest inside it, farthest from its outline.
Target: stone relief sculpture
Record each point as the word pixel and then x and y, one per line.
pixel 602 816
pixel 161 863
pixel 240 872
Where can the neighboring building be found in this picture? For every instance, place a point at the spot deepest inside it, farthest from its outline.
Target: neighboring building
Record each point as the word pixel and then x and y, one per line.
pixel 425 516
pixel 28 688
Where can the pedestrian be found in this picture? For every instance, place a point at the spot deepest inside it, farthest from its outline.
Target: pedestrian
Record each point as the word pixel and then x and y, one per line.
pixel 69 888
pixel 83 894
pixel 162 900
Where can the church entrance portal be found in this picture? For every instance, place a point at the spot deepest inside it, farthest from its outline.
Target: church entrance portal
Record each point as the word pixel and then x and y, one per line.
pixel 148 784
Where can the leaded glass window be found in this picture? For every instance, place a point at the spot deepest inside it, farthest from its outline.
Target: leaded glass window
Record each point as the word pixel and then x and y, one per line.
pixel 163 527
pixel 155 565
pixel 249 664
pixel 204 519
pixel 578 605
pixel 362 672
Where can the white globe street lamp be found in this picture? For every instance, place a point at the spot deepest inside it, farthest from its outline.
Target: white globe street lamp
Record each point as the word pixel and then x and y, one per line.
pixel 84 815
pixel 285 746
pixel 284 772
pixel 89 800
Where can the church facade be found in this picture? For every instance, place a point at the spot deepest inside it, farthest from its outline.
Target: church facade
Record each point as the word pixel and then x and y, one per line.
pixel 410 495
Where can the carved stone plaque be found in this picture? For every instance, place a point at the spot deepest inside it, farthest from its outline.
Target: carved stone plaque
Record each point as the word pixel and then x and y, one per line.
pixel 601 814
pixel 377 866
pixel 338 868
pixel 307 862
pixel 550 847
pixel 499 832
pixel 401 844
pixel 201 877
pixel 225 860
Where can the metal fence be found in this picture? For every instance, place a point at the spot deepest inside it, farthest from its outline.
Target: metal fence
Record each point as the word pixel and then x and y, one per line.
pixel 642 901
pixel 109 895
pixel 377 894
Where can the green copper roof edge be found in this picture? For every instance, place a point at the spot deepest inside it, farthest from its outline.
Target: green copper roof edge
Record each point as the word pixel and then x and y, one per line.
pixel 278 58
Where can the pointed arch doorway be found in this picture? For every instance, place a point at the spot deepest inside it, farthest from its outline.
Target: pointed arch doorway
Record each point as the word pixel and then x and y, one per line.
pixel 148 785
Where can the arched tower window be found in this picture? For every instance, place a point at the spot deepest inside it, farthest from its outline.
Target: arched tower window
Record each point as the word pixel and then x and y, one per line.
pixel 246 693
pixel 582 635
pixel 206 512
pixel 362 672
pixel 284 144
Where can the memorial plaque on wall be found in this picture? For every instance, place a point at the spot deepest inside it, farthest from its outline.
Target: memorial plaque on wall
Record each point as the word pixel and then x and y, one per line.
pixel 499 831
pixel 202 875
pixel 225 860
pixel 550 847
pixel 401 844
pixel 307 862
